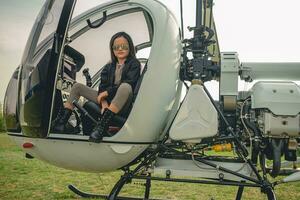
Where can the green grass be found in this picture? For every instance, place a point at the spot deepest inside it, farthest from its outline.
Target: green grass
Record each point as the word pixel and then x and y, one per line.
pixel 2 127
pixel 22 178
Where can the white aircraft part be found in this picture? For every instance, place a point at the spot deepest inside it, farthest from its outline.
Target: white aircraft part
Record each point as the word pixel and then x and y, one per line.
pixel 281 125
pixel 292 178
pixel 197 117
pixel 81 155
pixel 281 98
pixel 285 164
pixel 270 71
pixel 158 95
pixel 229 74
pixel 189 168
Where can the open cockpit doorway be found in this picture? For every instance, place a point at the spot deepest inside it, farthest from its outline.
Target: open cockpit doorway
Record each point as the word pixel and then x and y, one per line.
pixel 85 53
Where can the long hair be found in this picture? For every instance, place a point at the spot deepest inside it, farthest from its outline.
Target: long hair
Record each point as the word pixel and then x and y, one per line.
pixel 129 40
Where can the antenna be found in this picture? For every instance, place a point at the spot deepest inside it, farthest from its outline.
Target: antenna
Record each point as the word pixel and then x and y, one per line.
pixel 211 12
pixel 204 15
pixel 181 16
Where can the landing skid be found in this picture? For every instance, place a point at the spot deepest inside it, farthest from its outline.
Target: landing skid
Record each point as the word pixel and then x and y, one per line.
pixel 119 185
pixel 85 194
pixel 255 180
pixel 98 196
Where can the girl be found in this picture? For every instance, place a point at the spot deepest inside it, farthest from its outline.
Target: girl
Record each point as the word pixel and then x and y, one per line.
pixel 118 79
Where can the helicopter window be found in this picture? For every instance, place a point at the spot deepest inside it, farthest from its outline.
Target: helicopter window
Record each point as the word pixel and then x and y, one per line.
pixel 83 6
pixel 10 104
pixel 143 53
pixel 50 21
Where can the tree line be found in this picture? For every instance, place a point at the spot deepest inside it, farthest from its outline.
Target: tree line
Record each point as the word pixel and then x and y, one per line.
pixel 2 126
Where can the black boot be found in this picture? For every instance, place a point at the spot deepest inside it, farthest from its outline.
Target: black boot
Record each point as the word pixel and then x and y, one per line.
pixel 102 127
pixel 59 123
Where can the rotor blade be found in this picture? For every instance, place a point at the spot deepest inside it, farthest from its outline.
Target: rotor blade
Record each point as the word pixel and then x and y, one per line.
pixel 250 71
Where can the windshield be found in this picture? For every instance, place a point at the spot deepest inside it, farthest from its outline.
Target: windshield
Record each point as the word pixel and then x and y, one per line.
pixel 39 68
pixel 49 22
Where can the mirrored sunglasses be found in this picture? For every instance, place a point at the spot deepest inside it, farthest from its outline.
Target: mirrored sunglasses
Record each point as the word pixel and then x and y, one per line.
pixel 120 46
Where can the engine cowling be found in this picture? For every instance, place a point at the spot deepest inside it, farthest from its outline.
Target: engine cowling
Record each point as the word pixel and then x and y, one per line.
pixel 278 105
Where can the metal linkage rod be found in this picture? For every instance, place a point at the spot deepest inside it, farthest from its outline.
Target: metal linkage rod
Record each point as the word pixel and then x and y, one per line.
pixel 240 146
pixel 128 175
pixel 84 111
pixel 228 183
pixel 243 149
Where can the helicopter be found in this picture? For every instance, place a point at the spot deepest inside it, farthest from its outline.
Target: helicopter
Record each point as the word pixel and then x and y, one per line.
pixel 161 138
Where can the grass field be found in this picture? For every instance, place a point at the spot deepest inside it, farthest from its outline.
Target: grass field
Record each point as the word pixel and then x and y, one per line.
pixel 22 178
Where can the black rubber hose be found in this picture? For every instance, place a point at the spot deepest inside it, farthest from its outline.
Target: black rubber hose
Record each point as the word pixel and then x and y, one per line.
pixel 277 147
pixel 255 152
pixel 250 125
pixel 255 130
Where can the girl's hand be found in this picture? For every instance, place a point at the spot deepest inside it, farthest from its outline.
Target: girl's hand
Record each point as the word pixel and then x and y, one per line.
pixel 104 105
pixel 102 96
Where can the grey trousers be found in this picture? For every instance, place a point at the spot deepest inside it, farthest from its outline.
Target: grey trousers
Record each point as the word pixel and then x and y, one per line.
pixel 122 99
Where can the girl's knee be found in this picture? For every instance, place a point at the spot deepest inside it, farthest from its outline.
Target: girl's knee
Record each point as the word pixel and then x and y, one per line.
pixel 126 87
pixel 77 86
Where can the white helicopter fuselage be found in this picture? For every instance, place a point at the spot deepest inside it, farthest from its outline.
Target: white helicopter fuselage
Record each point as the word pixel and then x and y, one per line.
pixel 154 107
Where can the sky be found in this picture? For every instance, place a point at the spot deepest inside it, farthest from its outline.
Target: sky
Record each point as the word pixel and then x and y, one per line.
pixel 259 30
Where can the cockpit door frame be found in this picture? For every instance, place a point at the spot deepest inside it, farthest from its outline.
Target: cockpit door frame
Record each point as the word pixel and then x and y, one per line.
pixel 38 97
pixel 56 57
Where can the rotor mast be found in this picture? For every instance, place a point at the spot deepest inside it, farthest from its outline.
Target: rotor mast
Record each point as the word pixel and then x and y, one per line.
pixel 198 15
pixel 200 67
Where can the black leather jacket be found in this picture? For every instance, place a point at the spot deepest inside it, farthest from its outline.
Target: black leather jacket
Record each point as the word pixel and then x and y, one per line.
pixel 130 75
